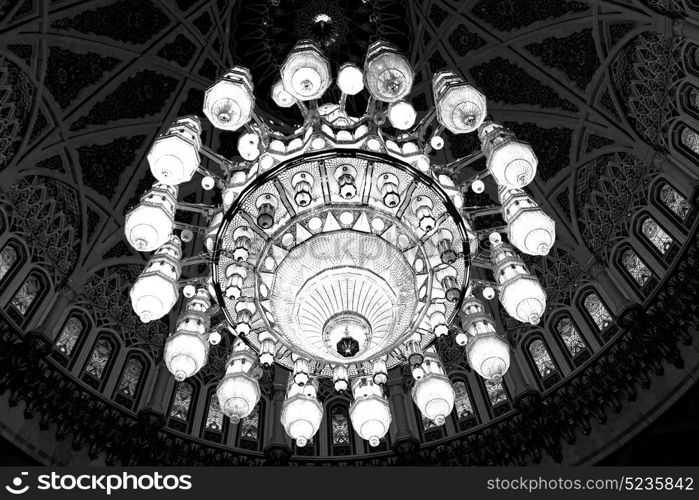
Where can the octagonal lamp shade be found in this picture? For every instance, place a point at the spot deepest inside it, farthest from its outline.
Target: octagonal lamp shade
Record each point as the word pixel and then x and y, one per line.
pixel 460 107
pixel 524 299
pixel 155 291
pixel 388 75
pixel 229 102
pixel 149 225
pixel 238 393
pixel 488 355
pixel 174 155
pixel 434 396
pixel 185 354
pixel 301 412
pixel 528 228
pixel 306 71
pixel 511 162
pixel 369 412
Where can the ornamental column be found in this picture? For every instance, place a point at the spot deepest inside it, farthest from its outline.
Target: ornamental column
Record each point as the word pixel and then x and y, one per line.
pixel 406 444
pixel 278 451
pixel 611 293
pixel 161 390
pixel 49 326
pixel 682 179
pixel 517 381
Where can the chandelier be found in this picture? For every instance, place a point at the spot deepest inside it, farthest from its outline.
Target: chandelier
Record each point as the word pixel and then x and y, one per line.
pixel 340 250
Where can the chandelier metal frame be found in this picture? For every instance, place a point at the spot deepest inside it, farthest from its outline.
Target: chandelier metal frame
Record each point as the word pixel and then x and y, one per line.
pixel 339 188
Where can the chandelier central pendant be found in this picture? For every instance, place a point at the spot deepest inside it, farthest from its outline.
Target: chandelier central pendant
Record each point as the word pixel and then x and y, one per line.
pixel 339 250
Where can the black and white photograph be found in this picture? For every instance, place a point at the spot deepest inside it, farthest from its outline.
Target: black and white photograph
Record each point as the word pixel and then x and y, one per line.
pixel 338 237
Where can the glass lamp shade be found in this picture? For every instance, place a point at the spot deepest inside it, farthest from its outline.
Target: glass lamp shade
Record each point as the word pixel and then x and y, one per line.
pixel 306 72
pixel 528 227
pixel 523 298
pixel 155 291
pixel 350 79
pixel 185 354
pixel 228 103
pixel 174 156
pixel 511 162
pixel 460 107
pixel 238 393
pixel 434 396
pixel 149 225
pixel 301 417
pixel 371 417
pixel 402 115
pixel 387 74
pixel 532 231
pixel 281 97
pixel 489 356
pixel 369 412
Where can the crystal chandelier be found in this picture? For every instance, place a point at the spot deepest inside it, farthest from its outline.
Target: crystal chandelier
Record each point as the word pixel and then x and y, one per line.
pixel 339 250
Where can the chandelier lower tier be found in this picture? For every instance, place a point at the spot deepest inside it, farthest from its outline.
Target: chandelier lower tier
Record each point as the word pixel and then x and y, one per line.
pixel 339 250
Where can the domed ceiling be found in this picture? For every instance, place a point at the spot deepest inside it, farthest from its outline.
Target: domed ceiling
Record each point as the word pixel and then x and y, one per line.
pixel 603 90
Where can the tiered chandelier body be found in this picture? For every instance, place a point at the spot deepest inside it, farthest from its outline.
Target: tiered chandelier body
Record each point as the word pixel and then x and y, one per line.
pixel 339 250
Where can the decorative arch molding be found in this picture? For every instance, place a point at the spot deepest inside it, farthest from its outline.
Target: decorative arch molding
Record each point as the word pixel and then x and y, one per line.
pixel 45 214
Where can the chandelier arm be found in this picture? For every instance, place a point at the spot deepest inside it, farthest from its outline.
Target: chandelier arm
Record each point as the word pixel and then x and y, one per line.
pixel 194 260
pixel 197 280
pixel 481 211
pixel 457 165
pixel 264 128
pixel 224 163
pixel 481 263
pixel 196 207
pixel 304 110
pixel 425 122
pixel 370 106
pixel 485 283
pixel 343 102
pixel 192 227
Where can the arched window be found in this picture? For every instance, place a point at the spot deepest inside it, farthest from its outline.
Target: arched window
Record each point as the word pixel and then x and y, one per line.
pixel 181 406
pixel 464 414
pixel 546 369
pixel 128 390
pixel 9 260
pixel 340 431
pixel 636 268
pixel 572 340
pixel 250 429
pixel 598 312
pixel 694 98
pixel 97 367
pixel 690 140
pixel 656 235
pixel 69 338
pixel 27 298
pixel 497 397
pixel 674 201
pixel 215 425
